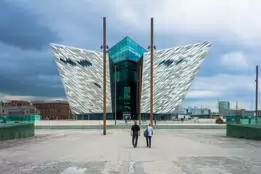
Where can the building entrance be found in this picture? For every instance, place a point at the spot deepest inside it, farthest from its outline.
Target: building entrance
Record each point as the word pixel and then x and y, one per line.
pixel 125 88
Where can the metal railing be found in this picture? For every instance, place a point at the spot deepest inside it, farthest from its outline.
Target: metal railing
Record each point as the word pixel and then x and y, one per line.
pixel 25 118
pixel 243 120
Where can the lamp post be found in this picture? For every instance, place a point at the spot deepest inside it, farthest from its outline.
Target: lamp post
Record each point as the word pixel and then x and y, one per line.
pixel 104 76
pixel 137 92
pixel 151 71
pixel 151 47
pixel 104 47
pixel 256 94
pixel 115 97
pixel 140 71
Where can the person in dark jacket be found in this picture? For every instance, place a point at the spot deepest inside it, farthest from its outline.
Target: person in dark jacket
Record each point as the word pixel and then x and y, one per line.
pixel 135 129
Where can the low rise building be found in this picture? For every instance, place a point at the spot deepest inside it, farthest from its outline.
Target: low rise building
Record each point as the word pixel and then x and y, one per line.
pixel 195 112
pixel 18 110
pixel 5 103
pixel 20 103
pixel 54 110
pixel 241 112
pixel 47 110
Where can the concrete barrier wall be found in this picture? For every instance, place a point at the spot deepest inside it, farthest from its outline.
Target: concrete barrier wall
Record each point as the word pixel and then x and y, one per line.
pixel 244 131
pixel 129 126
pixel 16 131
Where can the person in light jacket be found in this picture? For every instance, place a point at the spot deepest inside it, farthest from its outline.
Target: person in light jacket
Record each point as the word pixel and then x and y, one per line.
pixel 149 135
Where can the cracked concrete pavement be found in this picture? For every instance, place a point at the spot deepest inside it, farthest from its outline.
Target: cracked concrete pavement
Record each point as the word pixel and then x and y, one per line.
pixel 89 152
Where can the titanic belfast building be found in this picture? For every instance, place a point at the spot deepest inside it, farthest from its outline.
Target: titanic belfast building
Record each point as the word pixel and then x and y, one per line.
pixel 128 78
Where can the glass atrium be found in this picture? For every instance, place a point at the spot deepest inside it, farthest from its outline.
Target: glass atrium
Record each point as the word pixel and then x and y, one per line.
pixel 125 73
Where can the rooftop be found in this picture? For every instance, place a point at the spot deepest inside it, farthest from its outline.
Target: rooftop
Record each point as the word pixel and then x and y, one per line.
pixel 57 101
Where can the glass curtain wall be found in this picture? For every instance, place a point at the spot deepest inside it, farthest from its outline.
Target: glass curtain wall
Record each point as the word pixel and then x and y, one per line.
pixel 125 58
pixel 126 87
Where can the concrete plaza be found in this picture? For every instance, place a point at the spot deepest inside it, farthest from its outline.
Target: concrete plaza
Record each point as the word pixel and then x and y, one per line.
pixel 120 122
pixel 89 152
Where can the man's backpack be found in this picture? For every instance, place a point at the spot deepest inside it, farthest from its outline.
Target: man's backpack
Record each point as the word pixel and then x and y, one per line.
pixel 145 133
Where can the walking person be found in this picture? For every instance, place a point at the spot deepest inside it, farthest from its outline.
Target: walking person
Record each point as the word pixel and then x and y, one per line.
pixel 126 119
pixel 135 129
pixel 149 132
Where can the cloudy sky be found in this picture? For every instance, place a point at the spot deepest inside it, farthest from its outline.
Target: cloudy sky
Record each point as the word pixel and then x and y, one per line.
pixel 27 27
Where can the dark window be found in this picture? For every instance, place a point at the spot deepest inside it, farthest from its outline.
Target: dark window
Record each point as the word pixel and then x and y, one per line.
pixel 68 61
pixel 71 62
pixel 85 63
pixel 99 86
pixel 64 61
pixel 166 62
pixel 3 111
pixel 162 62
pixel 179 61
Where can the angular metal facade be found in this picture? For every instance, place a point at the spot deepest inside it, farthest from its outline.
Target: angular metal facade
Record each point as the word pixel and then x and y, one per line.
pixel 174 71
pixel 81 72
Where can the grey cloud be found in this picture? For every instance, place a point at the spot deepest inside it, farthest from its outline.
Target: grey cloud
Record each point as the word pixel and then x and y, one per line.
pixel 29 74
pixel 20 28
pixel 26 67
pixel 31 86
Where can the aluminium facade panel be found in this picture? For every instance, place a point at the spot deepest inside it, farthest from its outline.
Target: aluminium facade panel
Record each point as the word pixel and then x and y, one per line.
pixel 81 72
pixel 174 71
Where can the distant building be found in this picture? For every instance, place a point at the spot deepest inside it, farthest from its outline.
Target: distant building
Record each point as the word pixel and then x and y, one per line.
pixel 182 111
pixel 223 105
pixel 55 110
pixel 15 103
pixel 47 110
pixel 225 110
pixel 195 112
pixel 5 103
pixel 241 112
pixel 18 110
pixel 20 103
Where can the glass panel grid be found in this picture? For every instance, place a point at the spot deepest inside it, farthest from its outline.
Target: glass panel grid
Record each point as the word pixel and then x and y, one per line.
pixel 126 49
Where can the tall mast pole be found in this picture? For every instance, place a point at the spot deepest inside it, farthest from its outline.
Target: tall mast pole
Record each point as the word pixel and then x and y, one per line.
pixel 115 95
pixel 256 94
pixel 104 75
pixel 140 71
pixel 151 71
